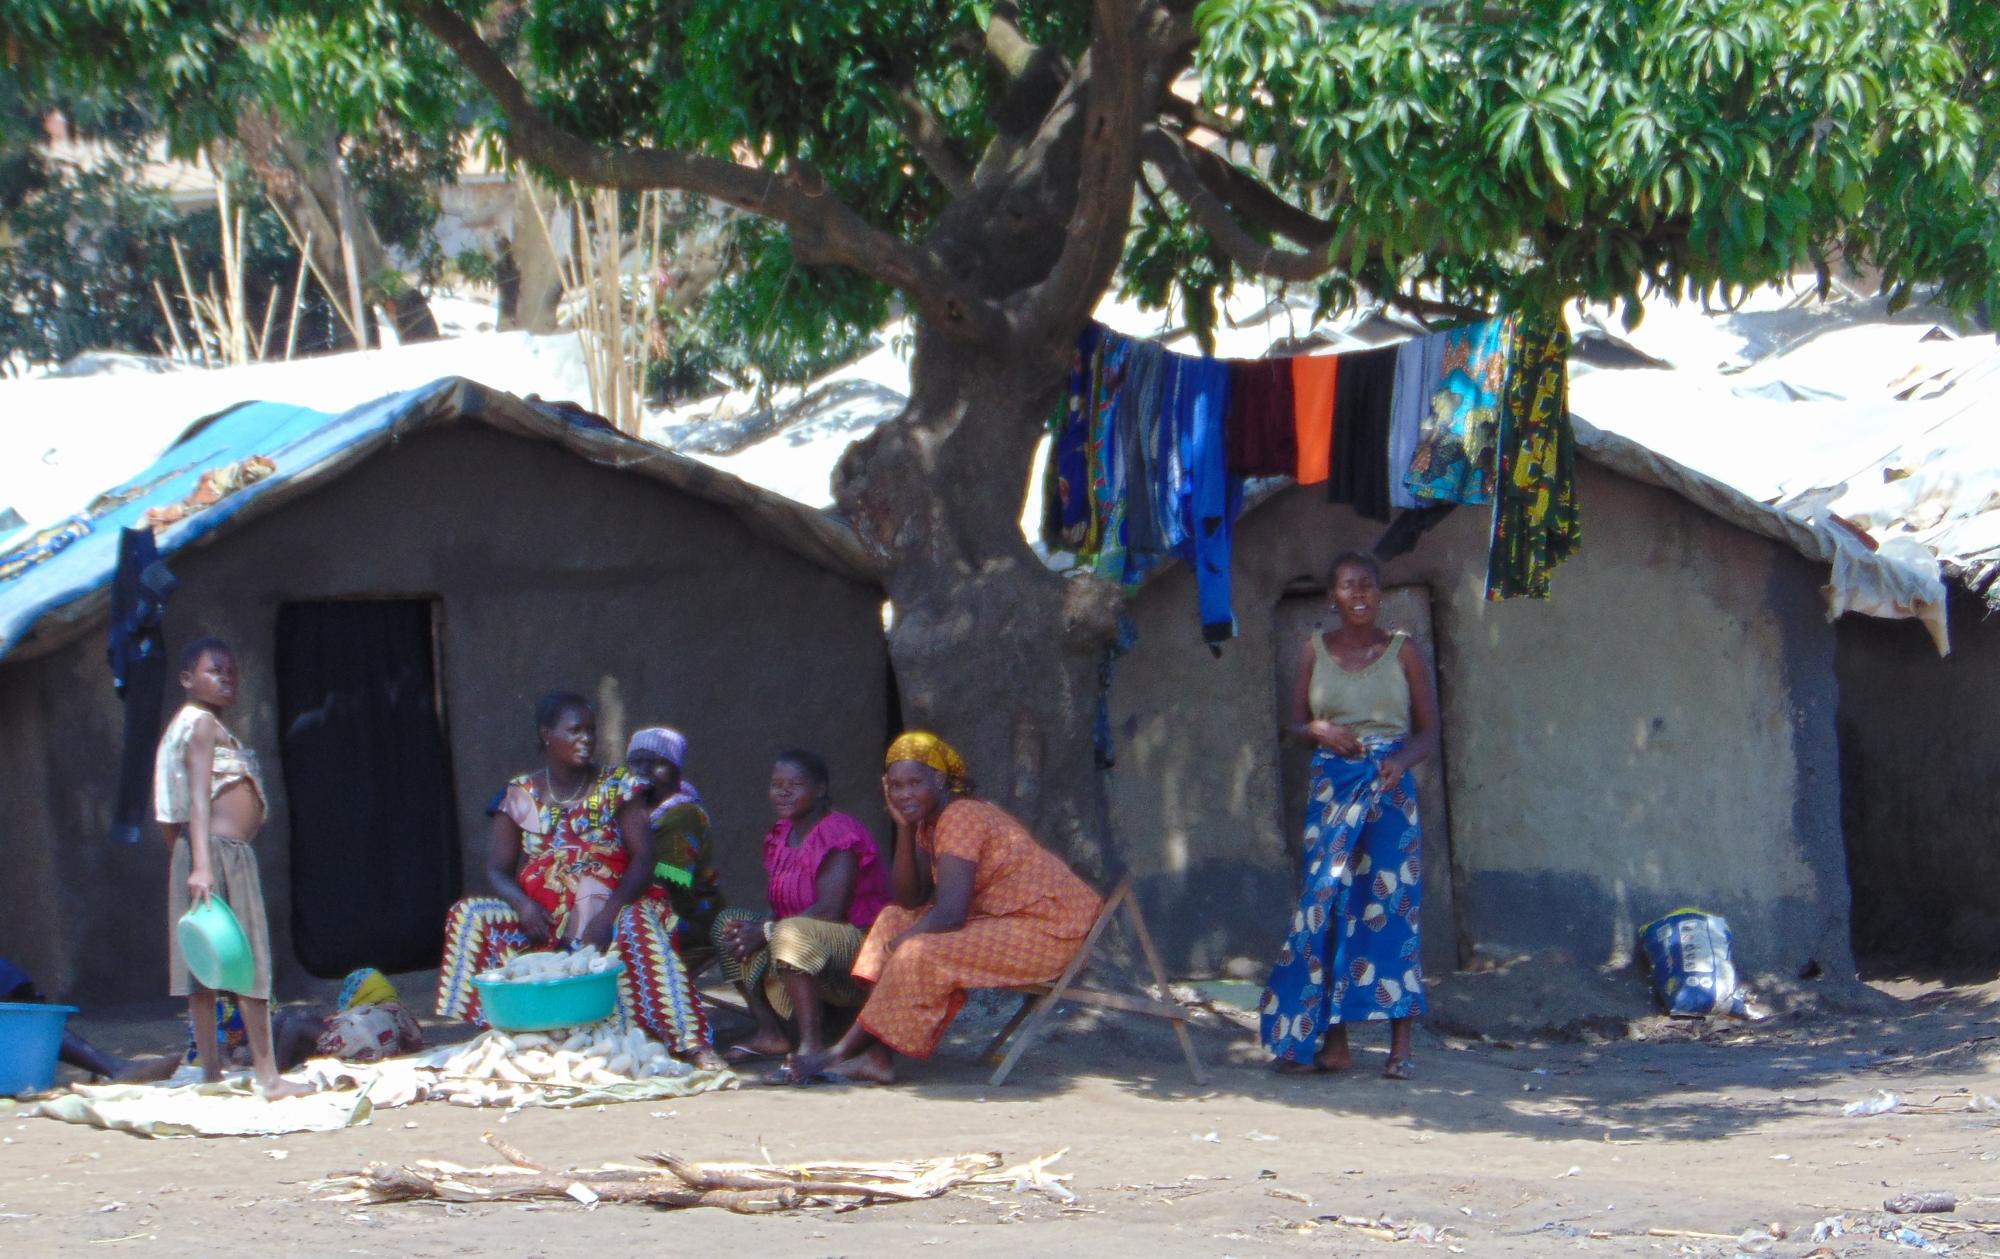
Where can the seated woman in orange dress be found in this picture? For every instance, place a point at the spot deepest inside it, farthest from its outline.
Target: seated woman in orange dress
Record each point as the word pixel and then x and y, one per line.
pixel 977 904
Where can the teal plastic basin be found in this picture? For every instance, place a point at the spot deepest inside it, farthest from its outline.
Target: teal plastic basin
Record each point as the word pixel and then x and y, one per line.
pixel 30 1037
pixel 217 951
pixel 547 1004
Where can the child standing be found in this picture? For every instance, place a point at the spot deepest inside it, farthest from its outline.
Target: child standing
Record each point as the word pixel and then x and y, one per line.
pixel 210 802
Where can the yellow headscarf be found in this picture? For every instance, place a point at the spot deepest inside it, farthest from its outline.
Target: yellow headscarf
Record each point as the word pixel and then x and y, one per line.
pixel 367 987
pixel 926 748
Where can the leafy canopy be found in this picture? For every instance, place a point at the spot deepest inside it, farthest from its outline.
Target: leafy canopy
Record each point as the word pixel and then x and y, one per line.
pixel 1553 149
pixel 1610 150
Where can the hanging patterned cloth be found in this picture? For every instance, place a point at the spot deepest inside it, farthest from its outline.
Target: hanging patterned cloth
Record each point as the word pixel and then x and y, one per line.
pixel 1535 523
pixel 1453 462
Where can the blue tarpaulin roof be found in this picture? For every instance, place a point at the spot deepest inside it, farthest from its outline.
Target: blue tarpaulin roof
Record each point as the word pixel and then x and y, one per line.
pixel 306 446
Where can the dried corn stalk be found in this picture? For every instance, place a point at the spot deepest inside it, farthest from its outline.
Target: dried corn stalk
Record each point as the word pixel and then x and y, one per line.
pixel 669 1181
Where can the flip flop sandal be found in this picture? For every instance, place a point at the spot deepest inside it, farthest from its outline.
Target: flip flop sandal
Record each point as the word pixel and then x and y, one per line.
pixel 784 1076
pixel 1400 1069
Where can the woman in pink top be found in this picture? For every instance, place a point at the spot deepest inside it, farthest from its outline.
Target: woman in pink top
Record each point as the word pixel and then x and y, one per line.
pixel 826 883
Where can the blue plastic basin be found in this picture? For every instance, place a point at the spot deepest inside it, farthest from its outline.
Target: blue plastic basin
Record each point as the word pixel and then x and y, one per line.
pixel 30 1037
pixel 544 1005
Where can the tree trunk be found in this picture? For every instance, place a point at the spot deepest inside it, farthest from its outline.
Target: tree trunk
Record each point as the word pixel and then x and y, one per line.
pixel 303 174
pixel 992 650
pixel 536 290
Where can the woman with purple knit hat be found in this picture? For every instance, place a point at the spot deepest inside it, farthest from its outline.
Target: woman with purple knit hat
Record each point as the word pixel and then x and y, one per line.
pixel 682 860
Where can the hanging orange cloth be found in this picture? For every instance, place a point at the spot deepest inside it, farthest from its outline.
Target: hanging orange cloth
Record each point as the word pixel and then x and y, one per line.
pixel 1313 377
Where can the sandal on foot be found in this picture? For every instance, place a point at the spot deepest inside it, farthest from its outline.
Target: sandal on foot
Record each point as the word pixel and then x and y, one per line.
pixel 1403 1068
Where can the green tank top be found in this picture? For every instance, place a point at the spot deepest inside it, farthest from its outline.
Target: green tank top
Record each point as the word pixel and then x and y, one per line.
pixel 1373 702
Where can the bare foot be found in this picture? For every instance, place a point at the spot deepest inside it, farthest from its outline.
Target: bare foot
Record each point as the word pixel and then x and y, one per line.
pixel 871 1066
pixel 1334 1059
pixel 148 1070
pixel 1287 1066
pixel 279 1089
pixel 803 1066
pixel 705 1058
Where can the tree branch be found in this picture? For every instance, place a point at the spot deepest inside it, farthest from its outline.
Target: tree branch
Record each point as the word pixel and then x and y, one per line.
pixel 1178 162
pixel 929 138
pixel 1119 95
pixel 823 230
pixel 1011 50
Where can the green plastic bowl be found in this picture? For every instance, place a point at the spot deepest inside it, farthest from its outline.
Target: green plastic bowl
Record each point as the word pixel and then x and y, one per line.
pixel 217 951
pixel 547 1004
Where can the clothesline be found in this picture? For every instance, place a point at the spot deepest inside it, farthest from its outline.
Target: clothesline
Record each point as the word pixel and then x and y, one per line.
pixel 1151 448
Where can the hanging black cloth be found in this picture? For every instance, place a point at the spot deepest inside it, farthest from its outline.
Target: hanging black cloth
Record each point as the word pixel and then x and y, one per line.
pixel 1411 523
pixel 138 654
pixel 1361 395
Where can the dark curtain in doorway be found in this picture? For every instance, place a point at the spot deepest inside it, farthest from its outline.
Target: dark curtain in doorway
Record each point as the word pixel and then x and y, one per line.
pixel 374 854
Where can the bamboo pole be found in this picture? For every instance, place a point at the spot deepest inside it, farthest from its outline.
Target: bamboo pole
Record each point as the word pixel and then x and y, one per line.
pixel 187 288
pixel 348 260
pixel 298 296
pixel 264 335
pixel 305 252
pixel 173 325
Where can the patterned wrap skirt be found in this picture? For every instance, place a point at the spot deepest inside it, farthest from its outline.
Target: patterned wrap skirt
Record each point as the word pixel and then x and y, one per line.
pixel 1353 953
pixel 654 992
pixel 811 946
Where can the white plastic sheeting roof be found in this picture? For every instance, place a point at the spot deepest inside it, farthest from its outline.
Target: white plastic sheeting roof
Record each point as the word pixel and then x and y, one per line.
pixel 66 439
pixel 1818 408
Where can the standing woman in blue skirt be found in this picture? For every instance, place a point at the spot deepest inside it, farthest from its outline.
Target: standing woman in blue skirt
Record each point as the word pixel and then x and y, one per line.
pixel 1366 704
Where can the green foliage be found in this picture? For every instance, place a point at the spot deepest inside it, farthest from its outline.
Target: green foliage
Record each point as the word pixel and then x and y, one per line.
pixel 1557 149
pixel 790 82
pixel 80 253
pixel 1610 151
pixel 771 319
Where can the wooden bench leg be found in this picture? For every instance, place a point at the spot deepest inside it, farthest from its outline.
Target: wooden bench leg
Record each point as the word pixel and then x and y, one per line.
pixel 1044 1005
pixel 1137 921
pixel 993 1049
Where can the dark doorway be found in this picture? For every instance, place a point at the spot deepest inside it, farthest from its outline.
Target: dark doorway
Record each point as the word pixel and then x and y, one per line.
pixel 375 857
pixel 1403 608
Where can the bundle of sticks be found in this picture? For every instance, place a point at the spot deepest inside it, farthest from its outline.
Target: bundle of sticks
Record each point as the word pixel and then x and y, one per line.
pixel 669 1181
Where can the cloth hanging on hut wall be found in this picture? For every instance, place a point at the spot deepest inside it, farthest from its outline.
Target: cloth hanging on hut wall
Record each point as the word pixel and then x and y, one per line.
pixel 1150 449
pixel 1535 522
pixel 1314 380
pixel 1419 375
pixel 1145 541
pixel 137 651
pixel 1104 457
pixel 1066 514
pixel 1361 398
pixel 1214 497
pixel 1453 462
pixel 1261 430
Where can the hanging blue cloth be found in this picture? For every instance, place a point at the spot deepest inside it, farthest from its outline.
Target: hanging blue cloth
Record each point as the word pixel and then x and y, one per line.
pixel 1210 497
pixel 1067 517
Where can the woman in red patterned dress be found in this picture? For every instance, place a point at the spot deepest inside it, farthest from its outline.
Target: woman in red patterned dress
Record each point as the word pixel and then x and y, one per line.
pixel 570 863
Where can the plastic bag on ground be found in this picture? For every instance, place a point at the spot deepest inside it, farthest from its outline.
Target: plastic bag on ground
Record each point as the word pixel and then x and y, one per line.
pixel 1693 973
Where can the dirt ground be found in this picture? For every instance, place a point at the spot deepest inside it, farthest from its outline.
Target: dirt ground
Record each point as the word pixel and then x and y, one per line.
pixel 1576 1140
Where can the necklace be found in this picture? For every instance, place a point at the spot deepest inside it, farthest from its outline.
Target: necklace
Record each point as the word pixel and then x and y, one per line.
pixel 550 782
